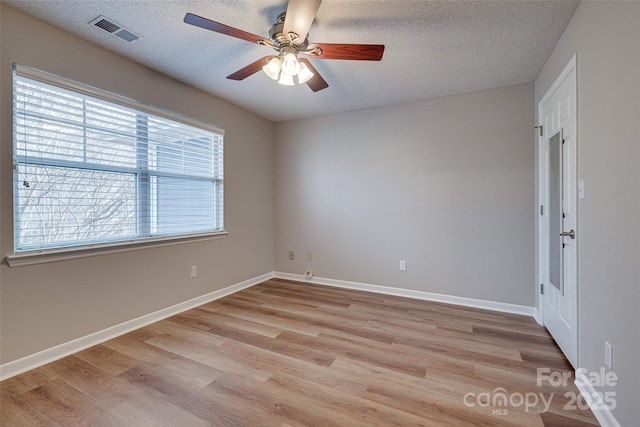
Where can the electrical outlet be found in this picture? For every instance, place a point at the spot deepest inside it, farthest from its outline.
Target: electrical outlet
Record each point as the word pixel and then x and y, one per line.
pixel 403 265
pixel 194 271
pixel 292 255
pixel 608 355
pixel 309 256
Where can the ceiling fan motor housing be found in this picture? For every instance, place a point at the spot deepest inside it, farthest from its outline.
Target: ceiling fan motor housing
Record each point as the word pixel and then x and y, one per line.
pixel 276 33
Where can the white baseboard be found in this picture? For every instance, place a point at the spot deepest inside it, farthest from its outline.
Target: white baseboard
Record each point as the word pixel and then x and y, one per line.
pixel 32 361
pixel 408 293
pixel 537 315
pixel 15 367
pixel 601 412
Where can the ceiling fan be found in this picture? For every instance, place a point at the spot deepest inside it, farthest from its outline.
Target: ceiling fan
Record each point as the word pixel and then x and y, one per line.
pixel 289 36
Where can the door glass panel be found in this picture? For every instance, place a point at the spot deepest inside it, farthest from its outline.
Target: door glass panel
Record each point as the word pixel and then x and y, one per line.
pixel 555 212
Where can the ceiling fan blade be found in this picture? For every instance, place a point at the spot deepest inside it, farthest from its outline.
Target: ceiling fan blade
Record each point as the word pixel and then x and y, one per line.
pixel 250 69
pixel 300 16
pixel 316 82
pixel 357 52
pixel 217 27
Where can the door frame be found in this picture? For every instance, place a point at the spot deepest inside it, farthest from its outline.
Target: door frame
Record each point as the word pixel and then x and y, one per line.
pixel 542 264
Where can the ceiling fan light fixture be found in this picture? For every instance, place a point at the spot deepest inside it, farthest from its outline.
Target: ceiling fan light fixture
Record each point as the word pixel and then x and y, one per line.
pixel 289 36
pixel 305 74
pixel 286 79
pixel 272 68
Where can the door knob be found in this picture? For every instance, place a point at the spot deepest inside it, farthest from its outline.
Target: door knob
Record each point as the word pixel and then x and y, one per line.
pixel 571 234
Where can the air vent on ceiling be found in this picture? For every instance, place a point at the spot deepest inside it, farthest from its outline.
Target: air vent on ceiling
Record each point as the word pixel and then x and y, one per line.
pixel 115 29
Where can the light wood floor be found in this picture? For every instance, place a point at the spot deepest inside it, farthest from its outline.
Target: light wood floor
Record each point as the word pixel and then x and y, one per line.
pixel 288 354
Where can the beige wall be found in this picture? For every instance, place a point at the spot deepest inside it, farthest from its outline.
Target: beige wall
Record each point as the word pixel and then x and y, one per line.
pixel 49 304
pixel 446 184
pixel 605 36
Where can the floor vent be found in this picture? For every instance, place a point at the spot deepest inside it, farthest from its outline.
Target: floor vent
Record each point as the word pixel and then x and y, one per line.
pixel 108 25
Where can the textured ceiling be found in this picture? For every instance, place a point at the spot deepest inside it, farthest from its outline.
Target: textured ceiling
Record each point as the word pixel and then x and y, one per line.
pixel 433 48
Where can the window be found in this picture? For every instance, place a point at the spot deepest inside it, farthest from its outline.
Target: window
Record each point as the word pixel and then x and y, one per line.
pixel 92 168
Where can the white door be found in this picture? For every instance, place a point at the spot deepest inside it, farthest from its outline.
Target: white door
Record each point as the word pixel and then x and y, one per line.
pixel 558 225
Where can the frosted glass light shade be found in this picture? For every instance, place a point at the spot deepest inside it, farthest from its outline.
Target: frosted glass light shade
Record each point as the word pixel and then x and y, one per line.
pixel 285 79
pixel 272 69
pixel 304 74
pixel 290 64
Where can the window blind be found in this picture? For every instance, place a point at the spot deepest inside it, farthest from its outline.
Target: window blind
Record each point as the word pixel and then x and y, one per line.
pixel 91 167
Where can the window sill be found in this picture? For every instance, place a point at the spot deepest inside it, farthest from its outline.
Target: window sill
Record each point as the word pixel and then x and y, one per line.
pixel 46 256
